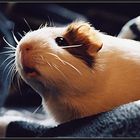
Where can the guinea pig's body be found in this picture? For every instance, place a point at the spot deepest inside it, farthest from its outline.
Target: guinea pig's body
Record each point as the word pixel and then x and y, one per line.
pixel 98 73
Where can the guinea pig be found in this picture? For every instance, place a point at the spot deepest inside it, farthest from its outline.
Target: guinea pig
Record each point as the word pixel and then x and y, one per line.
pixel 79 71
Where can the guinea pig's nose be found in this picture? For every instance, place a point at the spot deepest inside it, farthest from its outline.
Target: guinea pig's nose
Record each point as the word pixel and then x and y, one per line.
pixel 25 55
pixel 25 48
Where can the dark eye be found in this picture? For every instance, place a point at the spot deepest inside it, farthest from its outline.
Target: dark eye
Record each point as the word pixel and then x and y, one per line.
pixel 61 41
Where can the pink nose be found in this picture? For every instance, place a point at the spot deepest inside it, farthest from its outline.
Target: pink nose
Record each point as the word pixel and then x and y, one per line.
pixel 25 47
pixel 26 60
pixel 25 51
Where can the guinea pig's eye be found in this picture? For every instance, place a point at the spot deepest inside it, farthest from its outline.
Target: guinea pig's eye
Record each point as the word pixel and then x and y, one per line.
pixel 61 41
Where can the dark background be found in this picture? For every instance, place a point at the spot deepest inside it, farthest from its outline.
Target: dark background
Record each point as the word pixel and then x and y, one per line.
pixel 106 17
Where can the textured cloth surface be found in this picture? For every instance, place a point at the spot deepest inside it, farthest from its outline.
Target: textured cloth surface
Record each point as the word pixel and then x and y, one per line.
pixel 121 122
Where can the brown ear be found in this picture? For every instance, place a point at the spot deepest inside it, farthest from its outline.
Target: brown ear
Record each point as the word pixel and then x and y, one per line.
pixel 82 33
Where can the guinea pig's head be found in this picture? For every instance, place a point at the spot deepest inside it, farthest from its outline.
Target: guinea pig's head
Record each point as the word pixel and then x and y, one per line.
pixel 58 59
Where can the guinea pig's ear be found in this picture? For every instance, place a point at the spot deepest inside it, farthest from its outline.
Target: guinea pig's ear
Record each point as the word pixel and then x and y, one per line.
pixel 82 33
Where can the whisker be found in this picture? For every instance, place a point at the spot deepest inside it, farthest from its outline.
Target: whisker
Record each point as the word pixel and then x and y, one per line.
pixel 40 26
pixel 28 24
pixel 13 83
pixel 56 57
pixel 9 48
pixel 12 80
pixel 8 43
pixel 18 82
pixel 20 34
pixel 73 67
pixel 46 24
pixel 24 32
pixel 50 24
pixel 6 59
pixel 38 108
pixel 65 62
pixel 11 54
pixel 8 65
pixel 43 60
pixel 15 37
pixel 60 71
pixel 72 46
pixel 49 64
pixel 13 72
pixel 10 73
pixel 8 52
pixel 51 21
pixel 38 59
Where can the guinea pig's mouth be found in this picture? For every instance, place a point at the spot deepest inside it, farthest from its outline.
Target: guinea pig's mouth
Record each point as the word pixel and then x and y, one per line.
pixel 32 72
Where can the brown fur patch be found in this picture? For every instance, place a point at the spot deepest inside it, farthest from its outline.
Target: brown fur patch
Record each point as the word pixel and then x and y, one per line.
pixel 82 33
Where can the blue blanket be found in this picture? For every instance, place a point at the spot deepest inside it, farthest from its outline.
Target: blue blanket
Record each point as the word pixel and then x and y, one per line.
pixel 123 121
